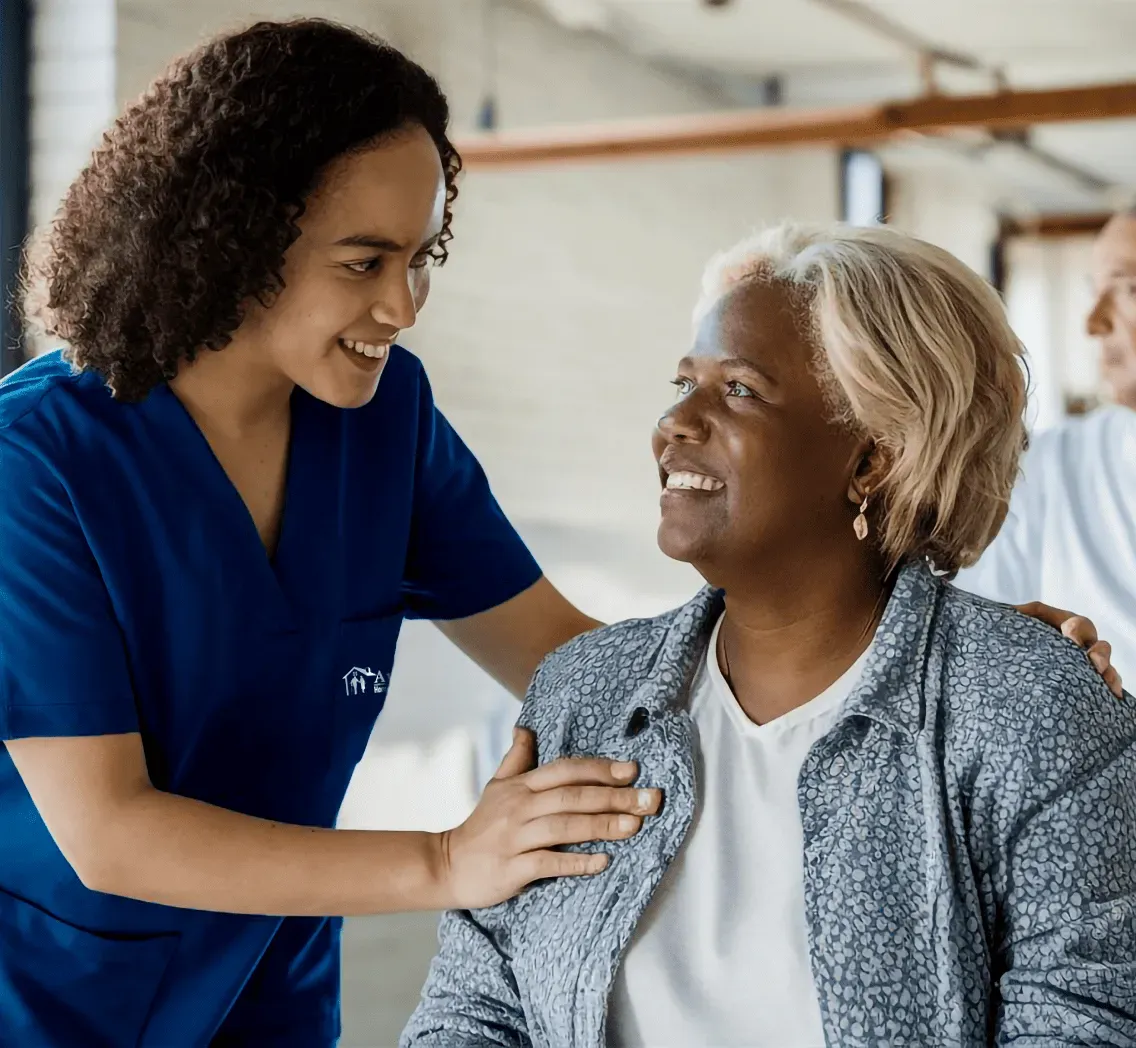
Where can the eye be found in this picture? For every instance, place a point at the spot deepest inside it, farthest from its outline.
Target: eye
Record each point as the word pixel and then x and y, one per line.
pixel 737 389
pixel 366 266
pixel 422 260
pixel 683 385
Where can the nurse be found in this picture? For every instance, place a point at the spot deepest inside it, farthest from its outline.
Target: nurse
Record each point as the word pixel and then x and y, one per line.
pixel 215 514
pixel 211 532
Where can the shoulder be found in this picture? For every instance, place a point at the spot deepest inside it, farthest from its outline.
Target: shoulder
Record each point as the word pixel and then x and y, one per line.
pixel 47 386
pixel 50 420
pixel 584 684
pixel 1016 689
pixel 623 648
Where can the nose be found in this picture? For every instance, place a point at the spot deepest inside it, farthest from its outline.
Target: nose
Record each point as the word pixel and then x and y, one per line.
pixel 684 423
pixel 1099 322
pixel 396 301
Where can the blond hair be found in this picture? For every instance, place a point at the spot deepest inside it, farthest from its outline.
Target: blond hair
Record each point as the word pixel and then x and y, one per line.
pixel 916 353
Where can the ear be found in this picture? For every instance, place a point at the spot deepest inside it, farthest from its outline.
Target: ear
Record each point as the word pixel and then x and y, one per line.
pixel 867 470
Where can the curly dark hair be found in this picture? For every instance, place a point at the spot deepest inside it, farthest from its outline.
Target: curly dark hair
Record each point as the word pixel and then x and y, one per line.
pixel 186 209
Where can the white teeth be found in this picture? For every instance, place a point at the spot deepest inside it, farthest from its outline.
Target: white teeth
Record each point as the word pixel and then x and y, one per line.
pixel 693 482
pixel 367 349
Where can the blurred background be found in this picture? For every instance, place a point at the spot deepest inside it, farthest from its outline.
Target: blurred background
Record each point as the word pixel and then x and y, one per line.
pixel 552 333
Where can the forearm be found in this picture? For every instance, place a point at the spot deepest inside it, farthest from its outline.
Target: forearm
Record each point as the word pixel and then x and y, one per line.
pixel 510 640
pixel 162 848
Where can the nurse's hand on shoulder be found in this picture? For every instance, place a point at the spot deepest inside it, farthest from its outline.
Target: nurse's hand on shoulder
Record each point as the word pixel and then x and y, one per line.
pixel 1082 632
pixel 525 813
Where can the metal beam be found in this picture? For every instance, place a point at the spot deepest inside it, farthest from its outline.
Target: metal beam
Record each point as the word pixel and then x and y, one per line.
pixel 15 22
pixel 778 128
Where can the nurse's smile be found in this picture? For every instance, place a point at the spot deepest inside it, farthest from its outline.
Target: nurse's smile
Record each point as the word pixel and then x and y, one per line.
pixel 359 272
pixel 365 356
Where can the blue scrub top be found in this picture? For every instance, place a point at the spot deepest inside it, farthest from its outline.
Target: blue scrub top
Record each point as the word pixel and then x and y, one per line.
pixel 136 596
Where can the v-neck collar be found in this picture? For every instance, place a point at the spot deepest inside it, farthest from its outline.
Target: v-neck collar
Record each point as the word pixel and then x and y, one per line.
pixel 294 581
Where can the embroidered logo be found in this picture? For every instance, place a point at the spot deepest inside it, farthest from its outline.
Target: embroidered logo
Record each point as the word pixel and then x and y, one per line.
pixel 358 681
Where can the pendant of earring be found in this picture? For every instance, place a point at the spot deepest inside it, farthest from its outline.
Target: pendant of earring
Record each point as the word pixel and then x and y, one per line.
pixel 860 524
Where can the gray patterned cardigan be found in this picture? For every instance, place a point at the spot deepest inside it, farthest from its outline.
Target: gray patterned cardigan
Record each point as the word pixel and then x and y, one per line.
pixel 969 829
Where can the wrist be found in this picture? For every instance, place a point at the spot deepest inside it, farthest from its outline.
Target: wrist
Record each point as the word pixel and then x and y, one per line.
pixel 439 879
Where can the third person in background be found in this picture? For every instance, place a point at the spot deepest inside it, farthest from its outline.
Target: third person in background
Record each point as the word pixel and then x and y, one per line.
pixel 1070 538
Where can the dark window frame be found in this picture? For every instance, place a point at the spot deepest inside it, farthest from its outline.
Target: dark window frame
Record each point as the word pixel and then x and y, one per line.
pixel 15 150
pixel 847 158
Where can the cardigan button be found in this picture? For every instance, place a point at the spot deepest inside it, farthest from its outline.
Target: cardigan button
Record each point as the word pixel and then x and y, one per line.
pixel 640 718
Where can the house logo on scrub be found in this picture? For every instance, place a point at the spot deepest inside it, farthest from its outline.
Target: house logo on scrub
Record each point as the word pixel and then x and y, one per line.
pixel 359 681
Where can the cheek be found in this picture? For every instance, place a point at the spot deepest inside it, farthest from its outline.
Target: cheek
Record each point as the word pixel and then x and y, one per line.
pixel 320 309
pixel 790 473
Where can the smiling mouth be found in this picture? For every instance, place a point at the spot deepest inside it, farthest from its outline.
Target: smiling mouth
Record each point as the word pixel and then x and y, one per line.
pixel 368 356
pixel 684 480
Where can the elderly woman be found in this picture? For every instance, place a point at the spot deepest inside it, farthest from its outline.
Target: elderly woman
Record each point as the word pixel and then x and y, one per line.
pixel 926 836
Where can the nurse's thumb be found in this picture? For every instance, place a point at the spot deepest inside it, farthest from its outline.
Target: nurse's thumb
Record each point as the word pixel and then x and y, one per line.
pixel 521 756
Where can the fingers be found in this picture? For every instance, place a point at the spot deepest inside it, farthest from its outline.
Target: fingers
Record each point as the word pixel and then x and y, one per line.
pixel 552 831
pixel 1100 655
pixel 521 756
pixel 1080 630
pixel 1055 617
pixel 589 799
pixel 541 865
pixel 570 771
pixel 1077 628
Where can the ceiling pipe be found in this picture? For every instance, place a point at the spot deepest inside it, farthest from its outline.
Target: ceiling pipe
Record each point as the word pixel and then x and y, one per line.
pixel 784 127
pixel 927 52
pixel 930 56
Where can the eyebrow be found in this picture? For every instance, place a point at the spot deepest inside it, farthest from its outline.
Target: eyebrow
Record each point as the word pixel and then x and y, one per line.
pixel 381 243
pixel 741 364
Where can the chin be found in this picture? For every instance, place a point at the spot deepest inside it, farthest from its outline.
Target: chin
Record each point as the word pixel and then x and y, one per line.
pixel 680 543
pixel 337 392
pixel 357 398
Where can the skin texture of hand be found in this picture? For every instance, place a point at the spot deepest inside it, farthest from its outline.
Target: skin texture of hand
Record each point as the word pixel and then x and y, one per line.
pixel 1082 632
pixel 527 811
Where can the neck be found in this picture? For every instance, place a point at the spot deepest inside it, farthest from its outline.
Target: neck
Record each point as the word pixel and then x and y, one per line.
pixel 794 628
pixel 233 391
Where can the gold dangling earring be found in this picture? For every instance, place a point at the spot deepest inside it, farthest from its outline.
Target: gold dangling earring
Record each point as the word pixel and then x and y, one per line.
pixel 860 524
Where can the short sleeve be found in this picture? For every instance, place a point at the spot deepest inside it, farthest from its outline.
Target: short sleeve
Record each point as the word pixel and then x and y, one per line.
pixel 63 666
pixel 464 556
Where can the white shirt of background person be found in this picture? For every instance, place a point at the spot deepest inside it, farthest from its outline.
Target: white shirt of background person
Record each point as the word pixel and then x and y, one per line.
pixel 1070 536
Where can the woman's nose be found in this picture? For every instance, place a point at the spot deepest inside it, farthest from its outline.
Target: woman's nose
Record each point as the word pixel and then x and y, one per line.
pixel 683 424
pixel 396 303
pixel 1099 322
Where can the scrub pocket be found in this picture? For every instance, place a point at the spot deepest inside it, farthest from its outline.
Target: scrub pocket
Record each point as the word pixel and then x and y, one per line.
pixel 63 985
pixel 366 653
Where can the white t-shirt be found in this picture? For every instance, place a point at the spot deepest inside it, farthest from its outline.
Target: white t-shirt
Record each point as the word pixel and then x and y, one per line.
pixel 721 957
pixel 1070 537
